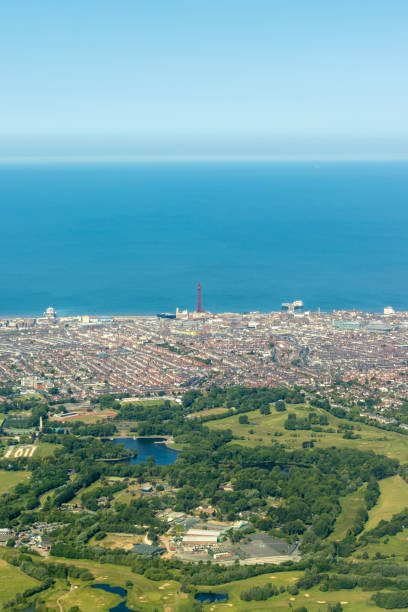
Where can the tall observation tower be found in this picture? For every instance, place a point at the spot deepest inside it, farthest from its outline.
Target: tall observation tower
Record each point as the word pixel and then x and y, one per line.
pixel 199 303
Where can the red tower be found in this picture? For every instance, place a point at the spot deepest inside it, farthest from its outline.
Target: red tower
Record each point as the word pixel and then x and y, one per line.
pixel 199 303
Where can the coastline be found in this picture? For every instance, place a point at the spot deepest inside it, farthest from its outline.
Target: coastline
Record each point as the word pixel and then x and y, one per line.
pixel 118 316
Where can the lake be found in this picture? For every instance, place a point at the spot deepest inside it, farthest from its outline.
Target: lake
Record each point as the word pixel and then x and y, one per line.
pixel 121 607
pixel 211 597
pixel 149 447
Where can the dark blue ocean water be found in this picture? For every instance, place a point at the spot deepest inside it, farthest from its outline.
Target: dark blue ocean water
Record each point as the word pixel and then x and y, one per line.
pixel 136 238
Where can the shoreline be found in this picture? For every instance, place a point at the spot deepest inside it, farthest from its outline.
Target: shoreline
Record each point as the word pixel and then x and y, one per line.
pixel 143 315
pixel 168 441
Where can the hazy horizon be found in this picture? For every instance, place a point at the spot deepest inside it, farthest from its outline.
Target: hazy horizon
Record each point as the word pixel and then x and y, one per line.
pixel 185 80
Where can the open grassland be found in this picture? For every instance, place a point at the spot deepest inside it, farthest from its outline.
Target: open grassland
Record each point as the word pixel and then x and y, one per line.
pixel 267 428
pixel 8 480
pixel 388 545
pixel 13 581
pixel 350 504
pixel 393 499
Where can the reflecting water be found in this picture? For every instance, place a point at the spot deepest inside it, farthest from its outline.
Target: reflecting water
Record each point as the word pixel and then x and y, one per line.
pixel 121 607
pixel 149 447
pixel 211 597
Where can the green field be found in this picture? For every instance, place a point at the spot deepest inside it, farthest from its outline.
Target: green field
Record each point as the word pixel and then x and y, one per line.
pixel 147 402
pixel 145 595
pixel 349 507
pixel 15 451
pixel 393 499
pixel 45 449
pixel 264 428
pixel 8 480
pixel 390 545
pixel 165 596
pixel 209 412
pixel 13 581
pixel 314 599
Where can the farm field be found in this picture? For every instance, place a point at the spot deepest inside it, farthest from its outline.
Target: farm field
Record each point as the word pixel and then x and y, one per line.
pixel 264 428
pixel 8 480
pixel 13 581
pixel 393 499
pixel 349 506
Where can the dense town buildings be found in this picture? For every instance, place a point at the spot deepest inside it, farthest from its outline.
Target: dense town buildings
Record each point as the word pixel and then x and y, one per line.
pixel 85 356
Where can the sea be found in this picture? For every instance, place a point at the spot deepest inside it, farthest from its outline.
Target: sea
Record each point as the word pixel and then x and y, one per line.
pixel 135 238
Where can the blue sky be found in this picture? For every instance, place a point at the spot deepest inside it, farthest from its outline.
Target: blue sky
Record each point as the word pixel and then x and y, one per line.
pixel 204 77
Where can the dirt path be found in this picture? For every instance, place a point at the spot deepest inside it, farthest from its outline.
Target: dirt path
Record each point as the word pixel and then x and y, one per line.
pixel 58 602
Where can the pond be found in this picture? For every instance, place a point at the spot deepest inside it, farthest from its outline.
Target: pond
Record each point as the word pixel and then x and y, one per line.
pixel 149 447
pixel 211 597
pixel 121 607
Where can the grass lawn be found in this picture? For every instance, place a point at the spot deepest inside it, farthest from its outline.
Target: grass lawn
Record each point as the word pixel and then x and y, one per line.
pixel 45 449
pixel 389 545
pixel 145 595
pixel 210 412
pixel 146 402
pixel 349 506
pixel 393 499
pixel 8 480
pixel 87 598
pixel 13 581
pixel 164 596
pixel 314 600
pixel 267 428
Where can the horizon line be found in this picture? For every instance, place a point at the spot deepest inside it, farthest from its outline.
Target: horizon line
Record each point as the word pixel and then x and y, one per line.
pixel 86 159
